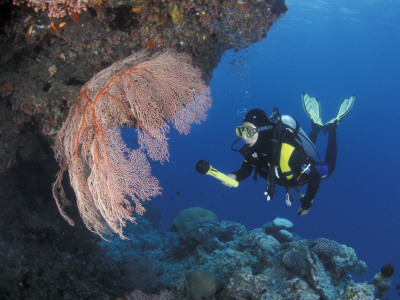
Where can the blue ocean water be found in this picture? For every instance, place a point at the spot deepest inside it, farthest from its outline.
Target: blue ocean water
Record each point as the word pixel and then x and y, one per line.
pixel 330 49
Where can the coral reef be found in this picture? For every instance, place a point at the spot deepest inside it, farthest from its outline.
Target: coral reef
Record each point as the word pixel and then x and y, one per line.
pixel 232 262
pixel 249 265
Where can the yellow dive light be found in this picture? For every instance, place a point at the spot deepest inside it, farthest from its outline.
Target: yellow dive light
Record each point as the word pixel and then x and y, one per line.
pixel 204 168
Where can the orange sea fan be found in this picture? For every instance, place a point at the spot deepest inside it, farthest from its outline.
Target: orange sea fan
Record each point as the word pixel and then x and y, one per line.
pixel 142 91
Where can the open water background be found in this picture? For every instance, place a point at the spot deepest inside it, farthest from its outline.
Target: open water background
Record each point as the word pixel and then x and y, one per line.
pixel 330 49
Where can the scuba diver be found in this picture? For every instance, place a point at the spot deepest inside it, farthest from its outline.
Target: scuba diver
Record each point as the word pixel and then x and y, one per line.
pixel 280 152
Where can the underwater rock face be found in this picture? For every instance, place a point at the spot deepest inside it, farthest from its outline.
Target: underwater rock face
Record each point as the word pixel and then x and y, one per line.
pixel 46 61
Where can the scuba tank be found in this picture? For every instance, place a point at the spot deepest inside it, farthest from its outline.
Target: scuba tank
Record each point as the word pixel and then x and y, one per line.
pixel 301 137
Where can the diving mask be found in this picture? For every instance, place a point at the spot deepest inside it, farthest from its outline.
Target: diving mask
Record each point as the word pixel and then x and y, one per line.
pixel 249 130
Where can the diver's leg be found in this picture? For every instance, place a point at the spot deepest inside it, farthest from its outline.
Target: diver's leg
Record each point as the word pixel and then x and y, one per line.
pixel 331 150
pixel 315 129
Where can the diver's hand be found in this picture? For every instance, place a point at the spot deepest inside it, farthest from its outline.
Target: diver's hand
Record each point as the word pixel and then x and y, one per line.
pixel 233 176
pixel 301 211
pixel 305 206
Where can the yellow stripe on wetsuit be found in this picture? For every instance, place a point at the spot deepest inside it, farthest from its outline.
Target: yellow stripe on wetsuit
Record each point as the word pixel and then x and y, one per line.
pixel 286 152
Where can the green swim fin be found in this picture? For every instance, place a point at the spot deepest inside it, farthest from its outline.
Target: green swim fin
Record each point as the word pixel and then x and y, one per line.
pixel 312 108
pixel 344 109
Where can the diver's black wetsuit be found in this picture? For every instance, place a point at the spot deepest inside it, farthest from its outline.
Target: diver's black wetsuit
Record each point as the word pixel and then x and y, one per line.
pixel 293 167
pixel 331 149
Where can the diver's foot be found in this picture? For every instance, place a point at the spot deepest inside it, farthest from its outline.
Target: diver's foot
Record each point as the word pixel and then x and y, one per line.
pixel 316 127
pixel 344 109
pixel 312 108
pixel 330 127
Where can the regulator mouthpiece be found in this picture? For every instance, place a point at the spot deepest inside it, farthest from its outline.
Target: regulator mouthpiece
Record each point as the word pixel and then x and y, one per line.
pixel 204 168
